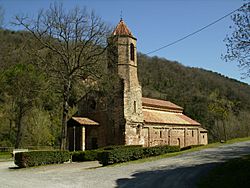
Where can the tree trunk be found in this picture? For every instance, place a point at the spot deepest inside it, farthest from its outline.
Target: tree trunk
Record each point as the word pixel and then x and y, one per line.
pixel 64 143
pixel 18 123
pixel 10 128
pixel 224 130
pixel 219 136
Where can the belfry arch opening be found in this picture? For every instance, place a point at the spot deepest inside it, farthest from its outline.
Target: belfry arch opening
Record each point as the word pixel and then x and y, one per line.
pixel 132 52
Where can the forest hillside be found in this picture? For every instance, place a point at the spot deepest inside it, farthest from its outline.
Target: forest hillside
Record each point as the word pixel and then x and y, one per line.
pixel 28 96
pixel 220 104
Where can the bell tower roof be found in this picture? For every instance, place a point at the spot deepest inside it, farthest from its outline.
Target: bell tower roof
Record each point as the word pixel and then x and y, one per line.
pixel 122 29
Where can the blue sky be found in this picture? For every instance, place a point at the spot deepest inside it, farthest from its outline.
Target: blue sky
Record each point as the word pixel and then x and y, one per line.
pixel 156 23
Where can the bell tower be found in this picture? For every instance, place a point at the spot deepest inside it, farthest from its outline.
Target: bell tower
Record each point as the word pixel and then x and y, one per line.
pixel 124 46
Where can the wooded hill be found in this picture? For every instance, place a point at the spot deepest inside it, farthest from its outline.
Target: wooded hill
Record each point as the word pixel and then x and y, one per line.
pixel 220 104
pixel 208 97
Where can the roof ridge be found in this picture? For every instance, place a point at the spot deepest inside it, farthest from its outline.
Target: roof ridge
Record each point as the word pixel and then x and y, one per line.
pixel 159 103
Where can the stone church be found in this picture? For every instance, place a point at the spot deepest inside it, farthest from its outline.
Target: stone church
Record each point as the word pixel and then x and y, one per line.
pixel 125 117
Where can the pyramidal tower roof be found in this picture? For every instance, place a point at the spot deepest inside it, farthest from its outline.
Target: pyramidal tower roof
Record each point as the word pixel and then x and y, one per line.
pixel 122 29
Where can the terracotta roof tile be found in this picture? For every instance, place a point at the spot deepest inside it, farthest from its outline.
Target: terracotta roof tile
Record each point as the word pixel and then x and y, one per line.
pixel 160 104
pixel 188 119
pixel 162 117
pixel 122 29
pixel 84 121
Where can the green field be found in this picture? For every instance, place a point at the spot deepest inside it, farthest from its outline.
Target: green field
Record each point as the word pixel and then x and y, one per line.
pixel 5 156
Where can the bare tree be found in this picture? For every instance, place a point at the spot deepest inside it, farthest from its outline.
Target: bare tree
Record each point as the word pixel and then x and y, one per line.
pixel 238 43
pixel 74 42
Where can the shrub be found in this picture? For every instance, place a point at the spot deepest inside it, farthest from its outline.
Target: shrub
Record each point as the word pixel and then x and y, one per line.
pixel 190 147
pixel 92 155
pixel 88 155
pixel 78 156
pixel 120 155
pixel 119 147
pixel 159 150
pixel 124 154
pixel 36 158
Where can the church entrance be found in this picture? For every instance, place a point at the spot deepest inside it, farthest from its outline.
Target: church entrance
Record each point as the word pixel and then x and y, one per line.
pixel 179 142
pixel 94 144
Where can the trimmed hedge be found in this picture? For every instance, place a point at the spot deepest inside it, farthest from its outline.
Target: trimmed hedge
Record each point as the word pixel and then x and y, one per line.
pixel 159 150
pixel 120 147
pixel 88 155
pixel 190 147
pixel 36 158
pixel 92 155
pixel 133 153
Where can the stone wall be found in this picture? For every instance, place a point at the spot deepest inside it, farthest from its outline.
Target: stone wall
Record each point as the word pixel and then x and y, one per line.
pixel 153 135
pixel 192 136
pixel 203 138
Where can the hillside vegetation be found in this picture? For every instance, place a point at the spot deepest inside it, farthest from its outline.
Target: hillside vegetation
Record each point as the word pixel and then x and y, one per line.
pixel 216 101
pixel 28 96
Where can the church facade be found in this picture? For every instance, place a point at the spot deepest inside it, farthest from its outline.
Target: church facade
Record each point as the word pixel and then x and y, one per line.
pixel 125 117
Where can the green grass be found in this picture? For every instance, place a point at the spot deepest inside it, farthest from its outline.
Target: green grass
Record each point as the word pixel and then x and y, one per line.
pixel 213 145
pixel 233 173
pixel 4 156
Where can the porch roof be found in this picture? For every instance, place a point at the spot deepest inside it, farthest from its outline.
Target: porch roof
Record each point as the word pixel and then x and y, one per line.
pixel 84 121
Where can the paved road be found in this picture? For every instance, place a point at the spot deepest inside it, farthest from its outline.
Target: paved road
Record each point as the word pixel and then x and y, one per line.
pixel 179 171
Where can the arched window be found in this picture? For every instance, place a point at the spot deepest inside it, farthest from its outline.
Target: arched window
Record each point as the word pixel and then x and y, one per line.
pixel 178 141
pixel 132 52
pixel 92 104
pixel 134 106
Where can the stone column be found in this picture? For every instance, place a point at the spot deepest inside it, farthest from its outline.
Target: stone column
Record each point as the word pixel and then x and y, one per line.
pixel 83 138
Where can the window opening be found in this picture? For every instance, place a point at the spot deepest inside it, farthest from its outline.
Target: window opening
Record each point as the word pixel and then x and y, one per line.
pixel 138 130
pixel 134 106
pixel 132 52
pixel 160 133
pixel 179 141
pixel 92 105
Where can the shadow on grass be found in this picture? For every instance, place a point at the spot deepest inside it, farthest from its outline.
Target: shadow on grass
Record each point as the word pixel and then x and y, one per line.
pixel 183 177
pixel 177 176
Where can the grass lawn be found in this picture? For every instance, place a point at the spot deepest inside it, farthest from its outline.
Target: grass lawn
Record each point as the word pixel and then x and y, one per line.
pixel 5 156
pixel 234 173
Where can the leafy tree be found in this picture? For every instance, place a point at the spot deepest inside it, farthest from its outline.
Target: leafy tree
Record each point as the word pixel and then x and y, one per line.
pixel 238 43
pixel 72 47
pixel 221 108
pixel 38 121
pixel 21 89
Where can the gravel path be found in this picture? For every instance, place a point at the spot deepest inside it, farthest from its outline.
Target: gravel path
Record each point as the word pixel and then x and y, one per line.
pixel 179 171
